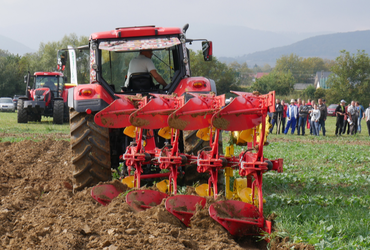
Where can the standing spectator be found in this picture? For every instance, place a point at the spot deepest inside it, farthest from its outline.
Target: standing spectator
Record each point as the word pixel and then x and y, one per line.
pixel 312 104
pixel 367 117
pixel 284 115
pixel 276 117
pixel 346 124
pixel 323 114
pixel 292 114
pixel 309 105
pixel 353 116
pixel 340 112
pixel 298 104
pixel 361 110
pixel 302 113
pixel 315 120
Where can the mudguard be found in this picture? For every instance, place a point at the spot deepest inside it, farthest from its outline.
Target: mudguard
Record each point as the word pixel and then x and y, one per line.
pixel 88 96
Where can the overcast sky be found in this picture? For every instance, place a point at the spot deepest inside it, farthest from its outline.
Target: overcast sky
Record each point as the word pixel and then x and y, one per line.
pixel 36 21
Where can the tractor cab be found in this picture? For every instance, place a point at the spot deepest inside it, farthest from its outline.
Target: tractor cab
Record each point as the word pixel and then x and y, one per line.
pixel 111 54
pixel 53 82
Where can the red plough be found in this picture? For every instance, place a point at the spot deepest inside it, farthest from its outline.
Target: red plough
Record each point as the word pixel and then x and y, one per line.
pixel 246 111
pixel 205 112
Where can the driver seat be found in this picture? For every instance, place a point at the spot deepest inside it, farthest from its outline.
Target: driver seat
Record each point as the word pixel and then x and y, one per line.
pixel 140 81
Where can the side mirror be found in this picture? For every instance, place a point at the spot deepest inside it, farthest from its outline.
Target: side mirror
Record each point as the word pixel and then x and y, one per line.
pixel 62 59
pixel 25 79
pixel 207 50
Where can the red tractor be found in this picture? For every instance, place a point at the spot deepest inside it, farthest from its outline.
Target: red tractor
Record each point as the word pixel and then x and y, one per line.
pixel 97 149
pixel 46 95
pixel 172 132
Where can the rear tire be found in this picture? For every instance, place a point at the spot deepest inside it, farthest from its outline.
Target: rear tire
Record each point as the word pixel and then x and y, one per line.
pixel 58 112
pixel 22 116
pixel 90 151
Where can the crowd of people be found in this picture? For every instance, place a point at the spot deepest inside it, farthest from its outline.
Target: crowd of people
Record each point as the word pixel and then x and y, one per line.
pixel 300 115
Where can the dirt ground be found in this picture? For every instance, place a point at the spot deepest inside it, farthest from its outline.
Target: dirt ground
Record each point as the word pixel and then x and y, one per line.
pixel 38 210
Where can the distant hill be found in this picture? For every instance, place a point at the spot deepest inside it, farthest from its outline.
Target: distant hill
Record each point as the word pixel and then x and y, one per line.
pixel 13 46
pixel 323 46
pixel 231 41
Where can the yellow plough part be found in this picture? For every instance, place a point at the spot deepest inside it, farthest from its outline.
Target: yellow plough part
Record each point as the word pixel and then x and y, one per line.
pixel 228 173
pixel 247 135
pixel 130 131
pixel 129 181
pixel 204 133
pixel 202 190
pixel 165 133
pixel 246 196
pixel 229 151
pixel 259 130
pixel 162 186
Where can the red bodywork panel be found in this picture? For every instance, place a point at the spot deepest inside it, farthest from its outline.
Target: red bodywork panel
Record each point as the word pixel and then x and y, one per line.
pixel 90 92
pixel 48 74
pixel 41 91
pixel 135 32
pixel 193 84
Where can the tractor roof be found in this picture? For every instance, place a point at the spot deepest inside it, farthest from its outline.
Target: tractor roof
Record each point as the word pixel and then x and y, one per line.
pixel 48 74
pixel 142 31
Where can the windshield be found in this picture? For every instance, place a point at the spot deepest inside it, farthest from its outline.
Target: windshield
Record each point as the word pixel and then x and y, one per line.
pixel 6 100
pixel 49 81
pixel 333 106
pixel 116 57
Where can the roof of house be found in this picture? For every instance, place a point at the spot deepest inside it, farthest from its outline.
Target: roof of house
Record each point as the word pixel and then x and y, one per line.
pixel 260 74
pixel 323 74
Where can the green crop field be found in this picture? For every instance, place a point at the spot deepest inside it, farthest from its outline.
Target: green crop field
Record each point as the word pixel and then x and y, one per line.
pixel 12 131
pixel 321 197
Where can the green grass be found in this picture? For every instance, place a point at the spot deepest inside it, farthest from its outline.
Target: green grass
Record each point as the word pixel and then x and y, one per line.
pixel 322 197
pixel 11 130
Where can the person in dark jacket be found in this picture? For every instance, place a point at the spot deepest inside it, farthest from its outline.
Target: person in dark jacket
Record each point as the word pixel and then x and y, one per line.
pixel 276 117
pixel 340 112
pixel 323 114
pixel 302 117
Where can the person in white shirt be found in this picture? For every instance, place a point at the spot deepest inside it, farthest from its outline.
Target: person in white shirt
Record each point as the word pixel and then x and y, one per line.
pixel 367 117
pixel 315 117
pixel 143 63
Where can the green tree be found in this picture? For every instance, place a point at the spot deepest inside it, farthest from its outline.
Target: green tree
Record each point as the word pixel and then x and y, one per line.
pixel 243 73
pixel 224 76
pixel 281 82
pixel 11 75
pixel 303 69
pixel 309 92
pixel 351 78
pixel 320 93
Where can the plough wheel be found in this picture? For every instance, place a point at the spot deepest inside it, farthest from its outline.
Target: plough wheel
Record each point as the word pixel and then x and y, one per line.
pixel 90 151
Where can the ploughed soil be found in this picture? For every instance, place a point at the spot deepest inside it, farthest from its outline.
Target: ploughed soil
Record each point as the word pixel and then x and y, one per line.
pixel 39 210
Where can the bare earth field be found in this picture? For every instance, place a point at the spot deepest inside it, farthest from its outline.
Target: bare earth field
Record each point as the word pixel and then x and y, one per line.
pixel 38 210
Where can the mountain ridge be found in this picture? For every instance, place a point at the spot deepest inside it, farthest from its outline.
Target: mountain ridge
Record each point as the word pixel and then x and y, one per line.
pixel 326 46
